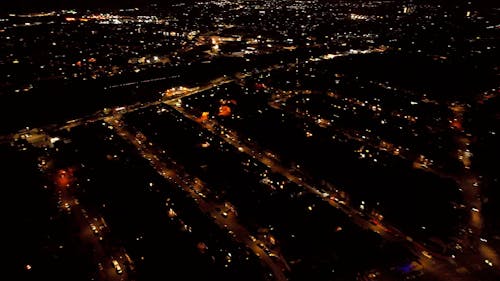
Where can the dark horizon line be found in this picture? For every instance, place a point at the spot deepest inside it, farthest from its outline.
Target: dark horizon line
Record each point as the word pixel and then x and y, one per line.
pixel 39 5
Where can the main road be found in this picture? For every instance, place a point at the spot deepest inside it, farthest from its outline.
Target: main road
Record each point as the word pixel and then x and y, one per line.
pixel 440 266
pixel 92 229
pixel 173 172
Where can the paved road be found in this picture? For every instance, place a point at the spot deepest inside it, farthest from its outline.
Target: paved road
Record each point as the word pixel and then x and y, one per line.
pixel 440 266
pixel 172 172
pixel 476 250
pixel 92 228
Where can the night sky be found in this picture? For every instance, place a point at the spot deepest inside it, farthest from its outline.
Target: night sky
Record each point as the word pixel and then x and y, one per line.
pixel 28 5
pixel 19 5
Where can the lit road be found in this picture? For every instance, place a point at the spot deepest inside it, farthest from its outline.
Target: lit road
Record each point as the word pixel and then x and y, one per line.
pixel 440 266
pixel 172 172
pixel 107 112
pixel 476 250
pixel 92 228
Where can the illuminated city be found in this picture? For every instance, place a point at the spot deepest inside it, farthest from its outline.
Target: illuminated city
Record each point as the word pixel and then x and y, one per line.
pixel 253 140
